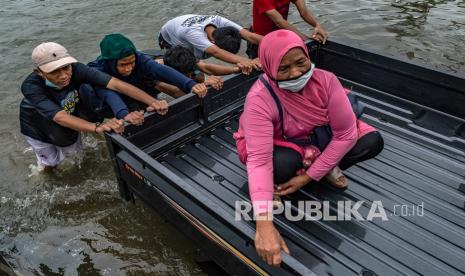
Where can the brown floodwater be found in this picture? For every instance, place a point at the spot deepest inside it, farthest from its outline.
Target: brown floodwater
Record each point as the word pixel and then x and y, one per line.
pixel 72 221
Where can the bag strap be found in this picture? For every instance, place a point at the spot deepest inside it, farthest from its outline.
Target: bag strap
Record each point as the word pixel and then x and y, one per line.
pixel 278 104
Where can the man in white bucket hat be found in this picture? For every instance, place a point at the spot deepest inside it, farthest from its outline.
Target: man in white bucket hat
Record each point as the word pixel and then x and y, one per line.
pixel 50 111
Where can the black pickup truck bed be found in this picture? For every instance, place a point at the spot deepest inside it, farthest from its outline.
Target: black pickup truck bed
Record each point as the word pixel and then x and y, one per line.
pixel 185 166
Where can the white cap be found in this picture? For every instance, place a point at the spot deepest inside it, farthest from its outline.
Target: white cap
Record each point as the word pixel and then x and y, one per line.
pixel 49 56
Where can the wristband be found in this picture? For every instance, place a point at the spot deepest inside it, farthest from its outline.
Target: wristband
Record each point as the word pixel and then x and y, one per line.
pixel 97 124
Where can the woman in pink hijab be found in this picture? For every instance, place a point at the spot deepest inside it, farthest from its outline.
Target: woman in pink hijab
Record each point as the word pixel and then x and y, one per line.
pixel 310 97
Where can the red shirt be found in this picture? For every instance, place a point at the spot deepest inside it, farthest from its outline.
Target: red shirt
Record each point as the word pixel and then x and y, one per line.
pixel 262 25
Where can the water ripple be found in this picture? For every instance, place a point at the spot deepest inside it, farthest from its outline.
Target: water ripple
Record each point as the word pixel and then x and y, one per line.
pixel 71 221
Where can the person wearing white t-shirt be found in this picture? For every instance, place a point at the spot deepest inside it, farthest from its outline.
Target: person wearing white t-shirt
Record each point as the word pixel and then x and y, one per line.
pixel 209 35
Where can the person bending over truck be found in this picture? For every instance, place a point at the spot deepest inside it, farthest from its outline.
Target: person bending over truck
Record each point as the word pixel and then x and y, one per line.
pixel 119 58
pixel 51 108
pixel 312 102
pixel 271 15
pixel 209 35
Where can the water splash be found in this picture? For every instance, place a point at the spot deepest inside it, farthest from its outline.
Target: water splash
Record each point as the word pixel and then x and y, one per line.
pixel 35 169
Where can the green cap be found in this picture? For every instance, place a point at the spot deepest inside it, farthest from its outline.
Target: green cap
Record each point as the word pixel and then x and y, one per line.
pixel 116 46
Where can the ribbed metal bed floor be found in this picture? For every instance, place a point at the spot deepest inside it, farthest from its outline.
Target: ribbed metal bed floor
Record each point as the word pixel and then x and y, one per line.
pixel 423 163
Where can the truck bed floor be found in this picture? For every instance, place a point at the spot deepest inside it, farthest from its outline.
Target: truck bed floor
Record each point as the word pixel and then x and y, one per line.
pixel 422 164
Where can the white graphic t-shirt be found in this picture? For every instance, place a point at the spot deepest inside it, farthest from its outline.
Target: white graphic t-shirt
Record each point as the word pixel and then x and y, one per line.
pixel 189 31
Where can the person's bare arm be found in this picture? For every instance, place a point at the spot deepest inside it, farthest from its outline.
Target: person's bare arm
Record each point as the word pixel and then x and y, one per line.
pixel 282 23
pixel 250 37
pixel 305 12
pixel 225 55
pixel 217 69
pixel 200 89
pixel 319 32
pixel 169 89
pixel 69 121
pixel 246 65
pixel 268 241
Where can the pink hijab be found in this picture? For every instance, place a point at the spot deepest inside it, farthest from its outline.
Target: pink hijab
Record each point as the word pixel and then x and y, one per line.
pixel 308 106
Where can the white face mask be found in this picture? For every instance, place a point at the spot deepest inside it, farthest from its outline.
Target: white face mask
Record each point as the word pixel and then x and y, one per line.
pixel 51 85
pixel 295 85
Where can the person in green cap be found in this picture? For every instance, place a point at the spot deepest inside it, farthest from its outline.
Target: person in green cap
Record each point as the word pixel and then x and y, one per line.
pixel 120 58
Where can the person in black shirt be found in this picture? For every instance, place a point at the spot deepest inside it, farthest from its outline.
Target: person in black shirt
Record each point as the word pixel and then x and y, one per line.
pixel 120 58
pixel 49 113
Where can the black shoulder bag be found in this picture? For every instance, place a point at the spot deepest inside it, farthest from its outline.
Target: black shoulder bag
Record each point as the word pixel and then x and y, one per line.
pixel 321 135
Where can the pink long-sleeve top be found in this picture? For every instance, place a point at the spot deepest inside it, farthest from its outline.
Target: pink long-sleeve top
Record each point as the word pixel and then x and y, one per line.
pixel 260 124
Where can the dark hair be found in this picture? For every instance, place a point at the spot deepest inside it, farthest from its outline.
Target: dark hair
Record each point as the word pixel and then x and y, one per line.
pixel 181 59
pixel 227 38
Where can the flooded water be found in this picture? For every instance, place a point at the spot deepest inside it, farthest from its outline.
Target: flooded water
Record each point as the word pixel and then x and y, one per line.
pixel 72 221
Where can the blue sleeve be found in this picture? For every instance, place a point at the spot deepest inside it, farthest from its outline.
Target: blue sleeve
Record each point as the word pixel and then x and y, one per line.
pixel 169 75
pixel 86 74
pixel 117 105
